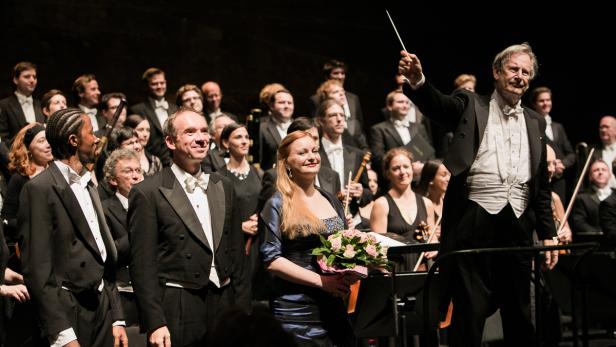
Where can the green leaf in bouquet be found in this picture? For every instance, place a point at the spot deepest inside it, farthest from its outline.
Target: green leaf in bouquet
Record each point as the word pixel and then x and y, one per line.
pixel 319 251
pixel 348 265
pixel 330 260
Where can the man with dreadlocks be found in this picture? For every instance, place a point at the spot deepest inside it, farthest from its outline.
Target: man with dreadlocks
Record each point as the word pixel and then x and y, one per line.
pixel 68 254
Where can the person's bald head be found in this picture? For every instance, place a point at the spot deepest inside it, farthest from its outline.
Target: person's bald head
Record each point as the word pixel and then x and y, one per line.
pixel 212 95
pixel 607 130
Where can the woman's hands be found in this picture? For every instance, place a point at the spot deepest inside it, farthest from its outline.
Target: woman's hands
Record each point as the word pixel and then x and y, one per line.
pixel 337 284
pixel 250 226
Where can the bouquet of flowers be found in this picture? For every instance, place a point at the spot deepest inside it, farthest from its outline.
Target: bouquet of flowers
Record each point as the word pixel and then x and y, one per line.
pixel 350 251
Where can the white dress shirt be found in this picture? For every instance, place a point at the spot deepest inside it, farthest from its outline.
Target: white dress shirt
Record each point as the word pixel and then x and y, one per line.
pixel 501 171
pixel 548 128
pixel 335 156
pixel 198 200
pixel 608 154
pixel 282 127
pixel 602 193
pixel 91 112
pixel 27 106
pixel 402 127
pixel 160 108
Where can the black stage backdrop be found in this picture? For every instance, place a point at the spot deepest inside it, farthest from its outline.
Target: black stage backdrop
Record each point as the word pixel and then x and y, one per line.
pixel 246 44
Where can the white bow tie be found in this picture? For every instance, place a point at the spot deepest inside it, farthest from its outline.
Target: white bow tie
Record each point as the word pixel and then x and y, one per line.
pixel 81 180
pixel 513 111
pixel 192 183
pixel 333 149
pixel 161 104
pixel 402 123
pixel 26 101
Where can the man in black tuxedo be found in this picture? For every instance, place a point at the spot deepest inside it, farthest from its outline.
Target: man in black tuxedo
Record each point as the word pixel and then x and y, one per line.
pixel 273 128
pixel 398 131
pixel 340 157
pixel 498 193
pixel 88 96
pixel 185 241
pixel 585 213
pixel 122 170
pixel 213 100
pixel 20 109
pixel 541 100
pixel 215 159
pixel 68 254
pixel 156 109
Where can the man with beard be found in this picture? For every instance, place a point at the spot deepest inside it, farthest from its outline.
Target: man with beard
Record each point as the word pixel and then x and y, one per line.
pixel 68 253
pixel 498 193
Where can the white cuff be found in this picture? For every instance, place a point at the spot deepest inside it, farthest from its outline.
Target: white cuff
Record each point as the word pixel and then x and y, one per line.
pixel 418 84
pixel 64 337
pixel 119 323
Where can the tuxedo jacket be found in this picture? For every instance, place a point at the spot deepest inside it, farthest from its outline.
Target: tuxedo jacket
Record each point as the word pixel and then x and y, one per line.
pixel 156 144
pixel 352 158
pixel 585 213
pixel 562 146
pixel 269 139
pixel 607 217
pixel 168 244
pixel 384 137
pixel 115 215
pixel 59 250
pixel 466 114
pixel 329 181
pixel 214 161
pixel 12 117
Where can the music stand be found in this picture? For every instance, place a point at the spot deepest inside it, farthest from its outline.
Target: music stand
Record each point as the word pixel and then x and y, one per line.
pixel 387 302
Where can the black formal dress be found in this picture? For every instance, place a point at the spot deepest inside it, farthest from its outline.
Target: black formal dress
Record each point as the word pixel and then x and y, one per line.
pixel 247 191
pixel 398 225
pixel 10 207
pixel 313 316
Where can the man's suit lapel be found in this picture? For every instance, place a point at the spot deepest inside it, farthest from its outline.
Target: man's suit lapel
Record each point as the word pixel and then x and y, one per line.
pixel 176 197
pixel 326 181
pixel 324 158
pixel 534 141
pixel 38 113
pixel 18 112
pixel 112 253
pixel 482 112
pixel 271 128
pixel 216 199
pixel 350 164
pixel 73 209
pixel 153 118
pixel 391 130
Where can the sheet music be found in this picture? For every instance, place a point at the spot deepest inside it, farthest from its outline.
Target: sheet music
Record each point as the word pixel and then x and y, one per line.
pixel 386 241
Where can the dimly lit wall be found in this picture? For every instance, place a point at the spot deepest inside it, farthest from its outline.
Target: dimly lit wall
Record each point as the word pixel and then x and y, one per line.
pixel 245 44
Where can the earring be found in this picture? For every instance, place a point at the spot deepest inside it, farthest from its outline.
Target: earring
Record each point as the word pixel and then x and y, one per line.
pixel 289 172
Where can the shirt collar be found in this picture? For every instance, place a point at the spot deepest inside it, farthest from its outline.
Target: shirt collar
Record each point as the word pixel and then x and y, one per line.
pixel 548 119
pixel 328 146
pixel 22 98
pixel 181 175
pixel 502 104
pixel 67 171
pixel 123 200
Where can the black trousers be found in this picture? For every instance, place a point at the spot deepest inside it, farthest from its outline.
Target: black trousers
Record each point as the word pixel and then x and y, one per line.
pixel 192 314
pixel 91 317
pixel 483 283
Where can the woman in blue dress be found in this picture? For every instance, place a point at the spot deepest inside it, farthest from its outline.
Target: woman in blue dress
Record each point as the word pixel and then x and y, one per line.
pixel 306 301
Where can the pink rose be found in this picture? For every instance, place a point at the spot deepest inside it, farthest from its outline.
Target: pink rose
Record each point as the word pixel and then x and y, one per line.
pixel 348 233
pixel 336 241
pixel 371 238
pixel 371 250
pixel 363 237
pixel 349 252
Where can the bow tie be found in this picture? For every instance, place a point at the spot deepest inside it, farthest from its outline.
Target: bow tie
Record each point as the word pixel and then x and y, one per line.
pixel 161 104
pixel 333 149
pixel 513 111
pixel 192 183
pixel 89 111
pixel 402 123
pixel 26 101
pixel 81 180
